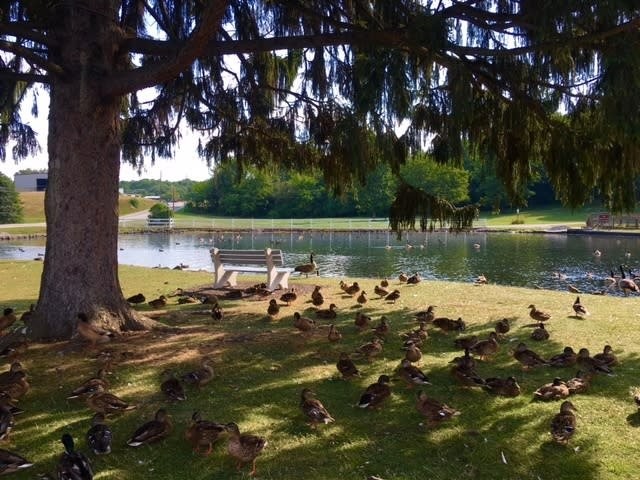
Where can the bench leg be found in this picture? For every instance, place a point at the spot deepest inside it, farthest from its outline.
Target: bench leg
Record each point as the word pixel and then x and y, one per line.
pixel 279 280
pixel 229 277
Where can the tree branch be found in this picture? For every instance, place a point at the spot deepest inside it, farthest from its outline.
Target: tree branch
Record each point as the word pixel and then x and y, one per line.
pixel 163 71
pixel 28 55
pixel 27 31
pixel 24 77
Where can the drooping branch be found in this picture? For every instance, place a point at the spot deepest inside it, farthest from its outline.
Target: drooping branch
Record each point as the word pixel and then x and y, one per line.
pixel 31 57
pixel 27 31
pixel 24 77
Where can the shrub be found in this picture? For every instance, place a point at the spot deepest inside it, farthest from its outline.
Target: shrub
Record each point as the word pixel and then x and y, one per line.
pixel 134 202
pixel 160 210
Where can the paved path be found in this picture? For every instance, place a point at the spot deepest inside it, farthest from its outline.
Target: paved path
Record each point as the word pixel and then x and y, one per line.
pixel 141 215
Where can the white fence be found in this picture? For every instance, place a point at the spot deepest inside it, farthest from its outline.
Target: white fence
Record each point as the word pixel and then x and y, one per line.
pixel 160 222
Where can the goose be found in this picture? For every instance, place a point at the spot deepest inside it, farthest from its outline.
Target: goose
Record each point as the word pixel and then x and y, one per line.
pixel 307 268
pixel 627 284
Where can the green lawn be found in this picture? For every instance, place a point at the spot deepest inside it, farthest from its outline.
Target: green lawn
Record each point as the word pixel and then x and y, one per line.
pixel 261 366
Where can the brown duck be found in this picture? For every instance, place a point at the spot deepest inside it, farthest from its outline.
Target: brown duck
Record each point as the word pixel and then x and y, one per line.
pixel 243 447
pixel 362 321
pixel 334 335
pixel 362 298
pixel 607 356
pixel 91 385
pixel 316 296
pixel 556 390
pixel 106 403
pixel 427 315
pixel 370 349
pixel 352 289
pixel 171 387
pixel 528 358
pixel 304 324
pixel 506 387
pixel 346 366
pixel 202 434
pixel 567 358
pixel 328 313
pixel 411 374
pixel 200 376
pixel 273 309
pixel 393 296
pixel 289 297
pixel 153 430
pixel 449 325
pixel 579 309
pixel 466 342
pixel 580 383
pixel 538 315
pixel 412 352
pixel 382 329
pixel 591 365
pixel 503 326
pixel 486 348
pixel 376 393
pixel 93 333
pixel 540 333
pixel 159 302
pixel 313 409
pixel 563 424
pixel 435 412
pixel 380 291
pixel 7 319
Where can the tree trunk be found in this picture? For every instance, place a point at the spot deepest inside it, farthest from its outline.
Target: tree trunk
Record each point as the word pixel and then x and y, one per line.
pixel 81 202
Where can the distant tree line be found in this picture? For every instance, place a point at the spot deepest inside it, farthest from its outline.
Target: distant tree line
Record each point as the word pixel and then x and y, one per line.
pixel 10 204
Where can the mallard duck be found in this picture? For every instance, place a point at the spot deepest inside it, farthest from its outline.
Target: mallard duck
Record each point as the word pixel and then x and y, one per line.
pixel 480 280
pixel 370 349
pixel 313 409
pixel 99 436
pixel 273 309
pixel 411 374
pixel 93 333
pixel 376 393
pixel 362 321
pixel 73 465
pixel 538 315
pixel 159 302
pixel 414 279
pixel 607 356
pixel 567 358
pixel 91 385
pixel 503 326
pixel 434 411
pixel 563 424
pixel 627 284
pixel 6 418
pixel 14 349
pixel 334 335
pixel 187 299
pixel 289 297
pixel 172 387
pixel 466 362
pixel 217 313
pixel 556 390
pixel 528 358
pixel 106 403
pixel 382 329
pixel 203 433
pixel 304 324
pixel 540 333
pixel 316 296
pixel 419 333
pixel 17 387
pixel 449 325
pixel 427 315
pixel 8 376
pixel 506 387
pixel 580 383
pixel 362 298
pixel 153 430
pixel 486 348
pixel 328 313
pixel 403 277
pixel 244 448
pixel 200 376
pixel 393 296
pixel 12 462
pixel 352 289
pixel 26 316
pixel 137 298
pixel 380 291
pixel 466 342
pixel 7 319
pixel 412 352
pixel 384 283
pixel 307 268
pixel 346 366
pixel 591 365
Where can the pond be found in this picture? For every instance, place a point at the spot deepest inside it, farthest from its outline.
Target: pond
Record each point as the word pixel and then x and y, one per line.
pixel 551 261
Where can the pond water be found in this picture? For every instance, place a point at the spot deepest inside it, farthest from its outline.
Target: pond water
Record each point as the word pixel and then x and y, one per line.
pixel 550 261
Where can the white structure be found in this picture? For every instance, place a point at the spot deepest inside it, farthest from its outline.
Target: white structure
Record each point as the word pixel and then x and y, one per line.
pixel 31 182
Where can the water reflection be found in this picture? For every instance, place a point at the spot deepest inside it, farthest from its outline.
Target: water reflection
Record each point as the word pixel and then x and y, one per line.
pixel 547 261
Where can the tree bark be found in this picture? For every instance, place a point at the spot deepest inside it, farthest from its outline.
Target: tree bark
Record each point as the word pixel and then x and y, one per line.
pixel 81 202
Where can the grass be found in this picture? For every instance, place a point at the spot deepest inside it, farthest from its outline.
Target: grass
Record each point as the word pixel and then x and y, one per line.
pixel 262 365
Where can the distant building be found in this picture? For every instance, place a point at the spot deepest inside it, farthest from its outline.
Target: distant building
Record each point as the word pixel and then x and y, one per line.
pixel 31 182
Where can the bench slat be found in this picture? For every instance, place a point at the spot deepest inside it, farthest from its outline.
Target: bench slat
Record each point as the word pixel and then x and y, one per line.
pixel 228 263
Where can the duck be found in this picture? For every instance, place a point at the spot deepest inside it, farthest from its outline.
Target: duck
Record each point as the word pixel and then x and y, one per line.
pixel 528 358
pixel 403 277
pixel 289 297
pixel 507 387
pixel 352 289
pixel 153 430
pixel 411 374
pixel 480 280
pixel 17 387
pixel 597 253
pixel 384 283
pixel 449 325
pixel 627 284
pixel 466 342
pixel 316 296
pixel 607 356
pixel 433 410
pixel 73 464
pixel 6 417
pixel 346 367
pixel 486 348
pixel 273 309
pixel 8 376
pixel 313 409
pixel 427 315
pixel 307 268
pixel 104 402
pixel 502 326
pixel 580 383
pixel 382 329
pixel 91 385
pixel 328 313
pixel 417 335
pixel 579 309
pixel 91 332
pixel 563 424
pixel 171 387
pixel 14 349
pixel 380 291
pixel 362 321
pixel 137 298
pixel 589 364
pixel 393 296
pixel 556 390
pixel 304 324
pixel 466 376
pixel 159 302
pixel 201 376
pixel 414 279
pixel 412 352
pixel 28 314
pixel 376 393
pixel 99 436
pixel 362 298
pixel 243 447
pixel 538 315
pixel 540 333
pixel 12 462
pixel 334 335
pixel 370 349
pixel 7 319
pixel 216 312
pixel 203 434
pixel 567 358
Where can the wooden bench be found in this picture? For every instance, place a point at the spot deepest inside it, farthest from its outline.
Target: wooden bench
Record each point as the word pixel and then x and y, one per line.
pixel 228 263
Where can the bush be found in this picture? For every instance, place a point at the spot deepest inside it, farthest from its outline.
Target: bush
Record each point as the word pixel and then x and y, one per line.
pixel 160 210
pixel 10 205
pixel 518 221
pixel 134 202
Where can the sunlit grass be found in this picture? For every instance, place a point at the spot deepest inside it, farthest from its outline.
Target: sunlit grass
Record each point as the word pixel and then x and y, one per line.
pixel 262 365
